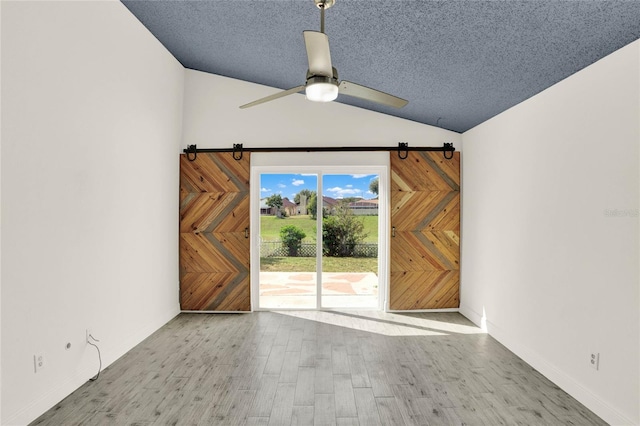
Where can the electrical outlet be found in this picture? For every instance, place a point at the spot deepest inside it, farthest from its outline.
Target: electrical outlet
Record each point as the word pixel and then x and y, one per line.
pixel 87 340
pixel 38 362
pixel 594 360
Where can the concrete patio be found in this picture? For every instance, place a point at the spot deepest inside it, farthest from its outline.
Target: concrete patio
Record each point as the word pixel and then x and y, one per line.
pixel 297 290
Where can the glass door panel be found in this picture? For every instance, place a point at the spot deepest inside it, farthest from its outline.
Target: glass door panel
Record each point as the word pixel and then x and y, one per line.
pixel 288 240
pixel 349 276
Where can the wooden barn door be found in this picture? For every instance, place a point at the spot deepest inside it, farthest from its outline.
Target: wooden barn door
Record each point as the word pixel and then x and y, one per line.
pixel 425 236
pixel 214 224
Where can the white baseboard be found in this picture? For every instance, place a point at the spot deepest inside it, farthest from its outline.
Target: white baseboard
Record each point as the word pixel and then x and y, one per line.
pixel 560 378
pixel 215 312
pixel 36 408
pixel 417 311
pixel 472 316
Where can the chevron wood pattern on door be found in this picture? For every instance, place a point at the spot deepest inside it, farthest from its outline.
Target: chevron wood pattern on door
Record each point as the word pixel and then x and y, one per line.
pixel 214 251
pixel 425 243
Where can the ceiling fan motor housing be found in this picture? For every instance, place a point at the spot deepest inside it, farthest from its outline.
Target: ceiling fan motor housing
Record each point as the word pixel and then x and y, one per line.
pixel 334 72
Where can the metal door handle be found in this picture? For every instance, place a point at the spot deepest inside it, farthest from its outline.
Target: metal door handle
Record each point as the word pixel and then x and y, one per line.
pixel 246 232
pixel 393 231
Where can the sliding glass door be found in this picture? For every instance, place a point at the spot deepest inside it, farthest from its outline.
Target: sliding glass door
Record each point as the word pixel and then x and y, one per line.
pixel 319 239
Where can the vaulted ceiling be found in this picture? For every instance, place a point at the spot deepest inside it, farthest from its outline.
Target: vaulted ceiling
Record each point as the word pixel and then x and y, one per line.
pixel 457 62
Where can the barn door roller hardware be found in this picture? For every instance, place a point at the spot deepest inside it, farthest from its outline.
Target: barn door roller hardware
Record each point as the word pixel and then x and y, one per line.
pixel 402 149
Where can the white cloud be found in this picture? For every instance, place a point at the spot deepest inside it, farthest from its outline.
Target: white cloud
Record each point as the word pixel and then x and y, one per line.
pixel 281 185
pixel 297 182
pixel 349 186
pixel 265 190
pixel 343 192
pixel 359 176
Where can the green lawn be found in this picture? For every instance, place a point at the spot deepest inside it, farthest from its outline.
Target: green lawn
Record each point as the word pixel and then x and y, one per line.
pixel 329 264
pixel 270 227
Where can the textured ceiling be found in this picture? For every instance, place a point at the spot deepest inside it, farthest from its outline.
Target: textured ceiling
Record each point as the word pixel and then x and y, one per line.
pixel 457 62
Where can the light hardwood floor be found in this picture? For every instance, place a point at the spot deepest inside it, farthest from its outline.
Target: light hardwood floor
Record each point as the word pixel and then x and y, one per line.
pixel 317 368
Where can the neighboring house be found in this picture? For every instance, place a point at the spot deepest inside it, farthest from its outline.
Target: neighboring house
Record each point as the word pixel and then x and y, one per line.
pixel 364 207
pixel 265 209
pixel 302 205
pixel 288 206
pixel 329 204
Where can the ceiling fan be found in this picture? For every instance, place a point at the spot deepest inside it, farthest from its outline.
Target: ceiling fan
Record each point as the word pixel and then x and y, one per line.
pixel 322 78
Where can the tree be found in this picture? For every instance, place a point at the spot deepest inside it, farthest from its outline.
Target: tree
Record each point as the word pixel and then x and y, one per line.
pixel 347 200
pixel 373 185
pixel 313 206
pixel 275 202
pixel 341 232
pixel 306 192
pixel 292 237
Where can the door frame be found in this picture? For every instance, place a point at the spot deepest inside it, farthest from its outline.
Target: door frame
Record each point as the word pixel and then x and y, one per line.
pixel 322 163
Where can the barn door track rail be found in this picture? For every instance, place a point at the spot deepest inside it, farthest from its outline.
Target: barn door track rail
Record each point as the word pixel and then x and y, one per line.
pixel 403 149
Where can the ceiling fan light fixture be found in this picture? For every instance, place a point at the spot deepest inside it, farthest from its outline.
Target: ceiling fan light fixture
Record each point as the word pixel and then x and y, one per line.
pixel 321 89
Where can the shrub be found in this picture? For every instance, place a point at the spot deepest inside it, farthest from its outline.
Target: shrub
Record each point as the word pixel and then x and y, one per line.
pixel 291 237
pixel 341 232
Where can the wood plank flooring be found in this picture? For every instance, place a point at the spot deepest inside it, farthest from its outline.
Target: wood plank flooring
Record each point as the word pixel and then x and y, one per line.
pixel 319 368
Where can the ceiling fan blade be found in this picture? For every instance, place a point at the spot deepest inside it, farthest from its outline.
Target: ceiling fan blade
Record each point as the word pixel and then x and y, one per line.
pixel 273 97
pixel 317 44
pixel 362 92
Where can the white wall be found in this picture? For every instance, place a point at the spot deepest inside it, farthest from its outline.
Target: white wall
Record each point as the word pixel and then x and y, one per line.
pixel 545 261
pixel 91 127
pixel 212 119
pixel 0 221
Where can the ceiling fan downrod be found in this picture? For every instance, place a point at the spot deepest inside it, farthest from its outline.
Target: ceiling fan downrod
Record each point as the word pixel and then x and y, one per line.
pixel 323 5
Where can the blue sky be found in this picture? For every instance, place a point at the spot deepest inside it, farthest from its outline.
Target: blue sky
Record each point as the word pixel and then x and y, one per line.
pixel 335 186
